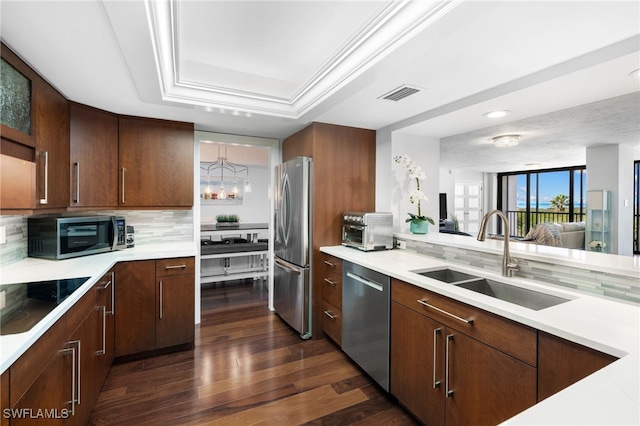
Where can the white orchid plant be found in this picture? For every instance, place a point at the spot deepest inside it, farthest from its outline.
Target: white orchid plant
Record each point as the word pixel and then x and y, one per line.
pixel 415 196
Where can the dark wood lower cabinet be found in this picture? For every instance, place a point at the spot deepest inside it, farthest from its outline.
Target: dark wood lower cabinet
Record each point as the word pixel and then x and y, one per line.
pixel 485 386
pixel 417 367
pixel 135 307
pixel 562 363
pixel 155 304
pixel 443 376
pixel 175 320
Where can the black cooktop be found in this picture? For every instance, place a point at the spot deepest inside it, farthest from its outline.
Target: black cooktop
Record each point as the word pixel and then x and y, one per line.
pixel 25 304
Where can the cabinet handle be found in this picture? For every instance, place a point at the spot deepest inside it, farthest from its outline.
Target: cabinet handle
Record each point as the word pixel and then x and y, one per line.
pixel 161 299
pixel 76 198
pixel 330 282
pixel 122 173
pixel 75 374
pixel 436 383
pixel 45 200
pixel 333 317
pixel 448 390
pixel 73 378
pixel 424 303
pixel 175 267
pixel 329 264
pixel 113 294
pixel 104 330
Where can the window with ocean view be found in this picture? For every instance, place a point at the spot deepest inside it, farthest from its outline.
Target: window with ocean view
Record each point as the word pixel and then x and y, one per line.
pixel 532 197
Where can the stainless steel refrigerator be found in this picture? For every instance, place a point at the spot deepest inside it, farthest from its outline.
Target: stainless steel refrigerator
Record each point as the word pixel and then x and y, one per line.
pixel 292 244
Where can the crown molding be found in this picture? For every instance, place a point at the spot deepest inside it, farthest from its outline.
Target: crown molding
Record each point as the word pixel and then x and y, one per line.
pixel 398 22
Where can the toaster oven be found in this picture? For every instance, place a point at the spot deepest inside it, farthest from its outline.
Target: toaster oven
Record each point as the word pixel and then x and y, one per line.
pixel 367 231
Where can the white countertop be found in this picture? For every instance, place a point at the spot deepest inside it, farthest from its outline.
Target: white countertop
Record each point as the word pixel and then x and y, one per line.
pixel 610 396
pixel 94 266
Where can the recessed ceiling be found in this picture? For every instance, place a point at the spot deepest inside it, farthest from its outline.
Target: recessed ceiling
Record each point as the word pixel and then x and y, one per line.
pixel 269 68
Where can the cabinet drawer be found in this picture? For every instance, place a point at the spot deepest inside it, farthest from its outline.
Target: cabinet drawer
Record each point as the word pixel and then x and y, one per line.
pixel 332 288
pixel 503 334
pixel 27 368
pixel 331 263
pixel 332 322
pixel 175 266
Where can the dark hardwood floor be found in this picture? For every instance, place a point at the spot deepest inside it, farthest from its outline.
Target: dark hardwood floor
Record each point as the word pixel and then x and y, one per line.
pixel 248 367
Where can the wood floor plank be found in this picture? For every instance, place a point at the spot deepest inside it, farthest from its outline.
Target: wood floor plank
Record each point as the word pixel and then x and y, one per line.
pixel 294 410
pixel 247 367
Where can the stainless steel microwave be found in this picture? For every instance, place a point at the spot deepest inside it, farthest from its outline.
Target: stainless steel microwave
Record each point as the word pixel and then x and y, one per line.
pixel 66 237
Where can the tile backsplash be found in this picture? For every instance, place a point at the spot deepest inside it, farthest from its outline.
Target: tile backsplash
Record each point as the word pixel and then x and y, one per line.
pixel 583 280
pixel 151 227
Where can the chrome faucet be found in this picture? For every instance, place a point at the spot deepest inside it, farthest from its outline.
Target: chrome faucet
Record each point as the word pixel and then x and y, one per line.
pixel 509 264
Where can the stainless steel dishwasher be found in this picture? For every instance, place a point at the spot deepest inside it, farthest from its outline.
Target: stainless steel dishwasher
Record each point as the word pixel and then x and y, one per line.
pixel 366 298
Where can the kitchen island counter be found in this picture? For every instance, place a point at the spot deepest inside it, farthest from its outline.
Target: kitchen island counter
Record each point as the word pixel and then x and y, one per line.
pixel 609 396
pixel 12 346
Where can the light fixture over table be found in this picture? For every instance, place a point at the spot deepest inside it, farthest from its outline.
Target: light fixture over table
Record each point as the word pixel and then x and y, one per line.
pixel 222 164
pixel 506 140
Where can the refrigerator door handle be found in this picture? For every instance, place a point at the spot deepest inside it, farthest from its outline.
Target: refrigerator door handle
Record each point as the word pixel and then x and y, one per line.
pixel 288 266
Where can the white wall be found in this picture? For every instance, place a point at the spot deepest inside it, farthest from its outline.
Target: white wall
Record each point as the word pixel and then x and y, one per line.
pixel 426 153
pixel 255 204
pixel 610 167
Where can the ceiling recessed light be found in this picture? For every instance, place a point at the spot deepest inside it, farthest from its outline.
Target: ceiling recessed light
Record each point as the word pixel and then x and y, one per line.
pixel 635 73
pixel 530 166
pixel 506 140
pixel 497 114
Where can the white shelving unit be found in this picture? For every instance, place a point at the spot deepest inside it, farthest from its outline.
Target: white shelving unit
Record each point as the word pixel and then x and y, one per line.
pixel 598 229
pixel 233 261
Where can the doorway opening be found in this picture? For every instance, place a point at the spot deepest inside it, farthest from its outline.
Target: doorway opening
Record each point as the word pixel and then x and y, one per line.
pixel 233 219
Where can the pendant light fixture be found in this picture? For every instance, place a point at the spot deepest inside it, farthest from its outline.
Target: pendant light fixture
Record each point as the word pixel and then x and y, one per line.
pixel 221 164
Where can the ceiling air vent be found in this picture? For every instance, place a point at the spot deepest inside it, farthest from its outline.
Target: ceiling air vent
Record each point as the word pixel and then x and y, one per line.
pixel 400 93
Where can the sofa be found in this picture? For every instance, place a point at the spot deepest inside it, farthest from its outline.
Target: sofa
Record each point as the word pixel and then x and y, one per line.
pixel 565 234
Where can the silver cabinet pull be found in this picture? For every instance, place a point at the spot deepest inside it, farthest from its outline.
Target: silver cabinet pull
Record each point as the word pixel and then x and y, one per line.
pixel 76 167
pixel 113 294
pixel 436 383
pixel 327 313
pixel 424 303
pixel 75 375
pixel 123 170
pixel 329 264
pixel 448 390
pixel 104 330
pixel 330 282
pixel 74 361
pixel 161 290
pixel 45 200
pixel 175 267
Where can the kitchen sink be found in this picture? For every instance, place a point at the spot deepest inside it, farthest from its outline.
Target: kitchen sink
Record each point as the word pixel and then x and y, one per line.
pixel 509 293
pixel 448 275
pixel 520 296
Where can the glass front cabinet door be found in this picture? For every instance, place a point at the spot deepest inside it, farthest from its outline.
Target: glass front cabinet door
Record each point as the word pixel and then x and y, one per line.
pixel 598 227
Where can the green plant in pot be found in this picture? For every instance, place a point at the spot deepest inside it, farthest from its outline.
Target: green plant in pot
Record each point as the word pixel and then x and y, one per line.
pixel 227 220
pixel 418 224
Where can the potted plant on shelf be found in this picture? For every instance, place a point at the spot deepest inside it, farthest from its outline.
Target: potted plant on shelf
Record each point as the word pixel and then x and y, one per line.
pixel 419 224
pixel 227 221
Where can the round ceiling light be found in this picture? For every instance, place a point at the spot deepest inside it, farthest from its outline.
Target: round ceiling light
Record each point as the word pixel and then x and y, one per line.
pixel 635 73
pixel 506 140
pixel 497 114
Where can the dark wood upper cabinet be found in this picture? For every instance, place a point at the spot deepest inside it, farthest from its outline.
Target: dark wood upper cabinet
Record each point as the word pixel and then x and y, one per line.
pixel 18 112
pixel 155 163
pixel 94 157
pixel 52 147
